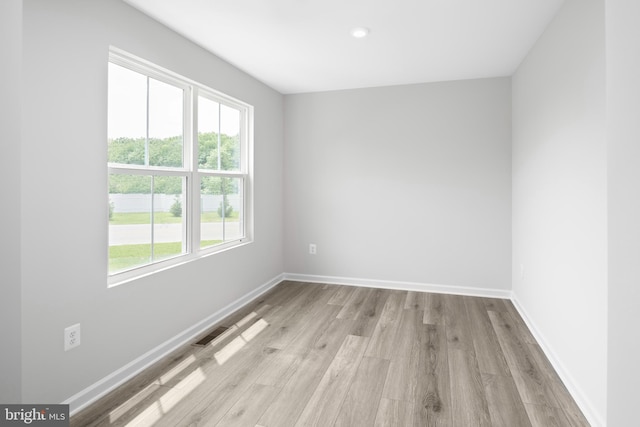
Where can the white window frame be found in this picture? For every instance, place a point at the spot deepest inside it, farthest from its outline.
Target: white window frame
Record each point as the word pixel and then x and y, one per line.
pixel 190 171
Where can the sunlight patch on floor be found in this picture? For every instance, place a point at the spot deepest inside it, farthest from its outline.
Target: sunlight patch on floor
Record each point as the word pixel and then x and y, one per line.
pixel 164 379
pixel 157 409
pixel 239 342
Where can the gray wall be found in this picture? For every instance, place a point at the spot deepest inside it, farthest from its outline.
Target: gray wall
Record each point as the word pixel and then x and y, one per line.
pixel 10 300
pixel 623 139
pixel 64 275
pixel 405 183
pixel 559 197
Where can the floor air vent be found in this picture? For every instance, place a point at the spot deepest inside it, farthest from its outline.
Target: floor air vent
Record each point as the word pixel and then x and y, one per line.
pixel 207 339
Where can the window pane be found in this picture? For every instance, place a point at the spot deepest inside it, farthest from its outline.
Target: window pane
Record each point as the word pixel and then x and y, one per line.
pixel 208 131
pixel 129 221
pixel 211 225
pixel 233 212
pixel 165 124
pixel 169 217
pixel 221 210
pixel 127 116
pixel 230 138
pixel 147 220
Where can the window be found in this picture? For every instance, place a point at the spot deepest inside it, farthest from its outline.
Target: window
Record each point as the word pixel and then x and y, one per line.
pixel 178 164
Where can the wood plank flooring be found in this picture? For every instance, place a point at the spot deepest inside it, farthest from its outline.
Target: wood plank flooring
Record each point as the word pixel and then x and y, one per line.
pixel 327 355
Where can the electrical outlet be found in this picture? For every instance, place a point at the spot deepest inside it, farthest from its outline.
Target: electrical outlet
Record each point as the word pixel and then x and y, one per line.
pixel 71 337
pixel 312 248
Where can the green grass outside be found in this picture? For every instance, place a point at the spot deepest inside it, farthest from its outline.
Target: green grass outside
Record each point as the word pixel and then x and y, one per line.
pixel 122 257
pixel 133 218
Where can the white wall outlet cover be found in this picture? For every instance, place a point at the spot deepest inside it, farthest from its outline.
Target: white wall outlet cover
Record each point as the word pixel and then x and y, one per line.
pixel 71 336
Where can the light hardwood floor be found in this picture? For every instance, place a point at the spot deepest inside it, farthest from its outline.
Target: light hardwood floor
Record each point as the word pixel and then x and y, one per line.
pixel 326 355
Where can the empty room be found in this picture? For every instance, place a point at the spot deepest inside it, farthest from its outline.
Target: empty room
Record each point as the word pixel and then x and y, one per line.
pixel 285 212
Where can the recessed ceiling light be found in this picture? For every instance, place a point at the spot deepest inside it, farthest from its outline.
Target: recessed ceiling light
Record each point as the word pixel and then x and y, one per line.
pixel 360 32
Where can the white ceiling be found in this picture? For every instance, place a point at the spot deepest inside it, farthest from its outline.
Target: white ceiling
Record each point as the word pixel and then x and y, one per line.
pixel 299 46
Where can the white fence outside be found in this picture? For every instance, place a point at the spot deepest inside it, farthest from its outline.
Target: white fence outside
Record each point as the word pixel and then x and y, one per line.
pixel 123 203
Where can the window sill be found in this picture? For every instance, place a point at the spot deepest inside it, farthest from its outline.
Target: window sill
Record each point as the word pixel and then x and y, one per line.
pixel 128 276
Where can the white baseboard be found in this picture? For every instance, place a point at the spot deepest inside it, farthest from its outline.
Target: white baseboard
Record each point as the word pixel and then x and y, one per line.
pixel 402 286
pixel 576 392
pixel 97 390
